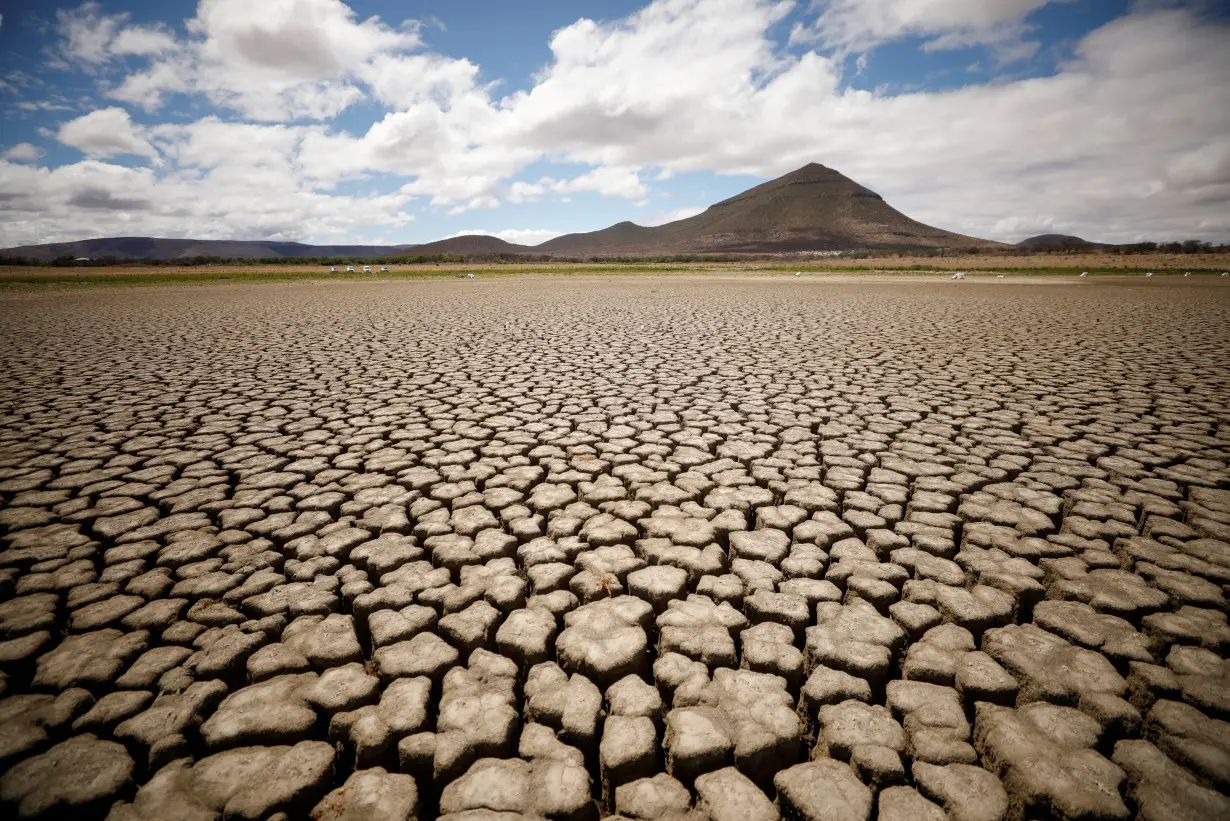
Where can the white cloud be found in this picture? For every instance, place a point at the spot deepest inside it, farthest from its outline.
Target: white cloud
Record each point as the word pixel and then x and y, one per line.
pixel 23 152
pixel 271 61
pixel 402 81
pixel 473 203
pixel 292 39
pixel 210 144
pixel 142 41
pixel 106 132
pixel 603 91
pixel 41 105
pixel 93 199
pixel 87 35
pixel 857 25
pixel 518 236
pixel 610 181
pixel 521 192
pixel 612 87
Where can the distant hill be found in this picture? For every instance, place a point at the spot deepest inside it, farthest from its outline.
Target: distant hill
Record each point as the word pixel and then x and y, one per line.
pixel 620 238
pixel 1059 242
pixel 170 249
pixel 151 248
pixel 158 248
pixel 812 209
pixel 468 245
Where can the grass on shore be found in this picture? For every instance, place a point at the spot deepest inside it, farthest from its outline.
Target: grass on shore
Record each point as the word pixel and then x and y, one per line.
pixel 30 277
pixel 78 277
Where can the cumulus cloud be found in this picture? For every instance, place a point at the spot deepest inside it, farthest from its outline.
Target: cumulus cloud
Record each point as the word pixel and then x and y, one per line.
pixel 106 132
pixel 86 32
pixel 610 181
pixel 142 41
pixel 270 61
pixel 473 203
pixel 23 152
pixel 402 81
pixel 215 180
pixel 612 88
pixel 213 144
pixel 858 25
pixel 94 198
pixel 521 191
pixel 293 39
pixel 87 35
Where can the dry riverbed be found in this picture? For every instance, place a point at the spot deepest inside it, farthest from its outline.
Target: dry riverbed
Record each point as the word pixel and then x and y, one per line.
pixel 699 547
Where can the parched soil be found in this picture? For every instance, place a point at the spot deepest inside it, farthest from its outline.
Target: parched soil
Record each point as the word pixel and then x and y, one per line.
pixel 703 548
pixel 1091 262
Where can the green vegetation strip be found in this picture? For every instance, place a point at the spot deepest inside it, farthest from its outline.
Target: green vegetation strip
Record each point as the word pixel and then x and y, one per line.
pixel 240 275
pixel 35 278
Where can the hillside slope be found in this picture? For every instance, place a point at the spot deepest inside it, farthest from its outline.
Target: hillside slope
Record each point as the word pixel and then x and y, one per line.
pixel 812 209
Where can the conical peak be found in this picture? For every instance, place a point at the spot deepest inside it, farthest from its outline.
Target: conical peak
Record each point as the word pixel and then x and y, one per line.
pixel 811 181
pixel 814 172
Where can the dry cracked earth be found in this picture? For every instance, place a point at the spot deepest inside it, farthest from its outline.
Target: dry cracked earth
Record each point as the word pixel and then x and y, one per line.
pixel 724 549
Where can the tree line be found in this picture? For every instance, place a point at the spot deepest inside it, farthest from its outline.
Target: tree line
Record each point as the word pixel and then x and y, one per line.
pixel 1191 246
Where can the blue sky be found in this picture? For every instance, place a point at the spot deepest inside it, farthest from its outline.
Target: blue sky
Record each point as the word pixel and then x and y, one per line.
pixel 402 122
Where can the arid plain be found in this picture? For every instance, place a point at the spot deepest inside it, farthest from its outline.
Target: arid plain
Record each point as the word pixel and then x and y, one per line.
pixel 1020 264
pixel 725 547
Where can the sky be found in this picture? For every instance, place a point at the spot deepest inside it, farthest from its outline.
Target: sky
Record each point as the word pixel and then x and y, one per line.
pixel 387 122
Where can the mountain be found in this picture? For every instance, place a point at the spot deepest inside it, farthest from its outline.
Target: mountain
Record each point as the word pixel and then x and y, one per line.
pixel 1058 242
pixel 468 245
pixel 621 238
pixel 158 248
pixel 812 209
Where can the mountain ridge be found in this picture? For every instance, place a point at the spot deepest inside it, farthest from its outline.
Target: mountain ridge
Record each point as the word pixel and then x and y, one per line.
pixel 813 208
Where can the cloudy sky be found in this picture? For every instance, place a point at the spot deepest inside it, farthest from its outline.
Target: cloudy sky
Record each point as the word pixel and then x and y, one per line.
pixel 394 121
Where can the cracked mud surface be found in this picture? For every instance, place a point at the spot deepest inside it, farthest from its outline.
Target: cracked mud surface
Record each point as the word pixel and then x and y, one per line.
pixel 572 548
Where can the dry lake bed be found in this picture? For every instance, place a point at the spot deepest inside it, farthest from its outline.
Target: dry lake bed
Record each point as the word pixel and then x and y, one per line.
pixel 722 547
